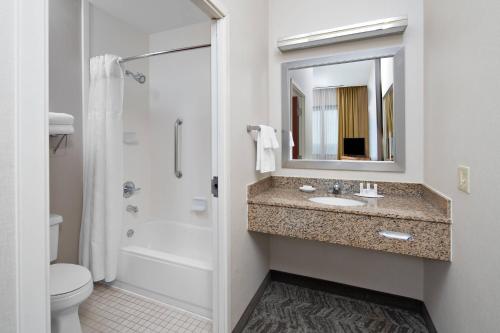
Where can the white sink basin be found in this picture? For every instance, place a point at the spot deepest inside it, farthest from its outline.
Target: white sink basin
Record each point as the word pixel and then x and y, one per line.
pixel 333 201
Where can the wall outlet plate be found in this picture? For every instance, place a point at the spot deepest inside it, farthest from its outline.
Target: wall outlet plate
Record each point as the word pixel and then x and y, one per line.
pixel 464 178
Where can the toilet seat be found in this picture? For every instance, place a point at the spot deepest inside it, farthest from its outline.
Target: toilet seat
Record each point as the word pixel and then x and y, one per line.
pixel 66 278
pixel 69 285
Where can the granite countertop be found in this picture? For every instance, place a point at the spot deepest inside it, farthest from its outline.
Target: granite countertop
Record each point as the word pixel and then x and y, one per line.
pixel 410 207
pixel 276 206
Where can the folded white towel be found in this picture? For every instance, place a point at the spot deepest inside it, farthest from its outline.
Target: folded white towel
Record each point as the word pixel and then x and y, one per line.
pixel 57 118
pixel 61 129
pixel 266 143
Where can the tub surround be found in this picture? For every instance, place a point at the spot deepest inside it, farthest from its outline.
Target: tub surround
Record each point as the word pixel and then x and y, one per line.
pixel 177 252
pixel 277 207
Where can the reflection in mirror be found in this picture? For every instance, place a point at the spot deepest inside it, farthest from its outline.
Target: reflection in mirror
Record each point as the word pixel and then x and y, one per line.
pixel 343 111
pixel 298 120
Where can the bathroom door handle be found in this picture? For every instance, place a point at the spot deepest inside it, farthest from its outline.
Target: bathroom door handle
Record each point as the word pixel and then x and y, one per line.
pixel 395 235
pixel 177 149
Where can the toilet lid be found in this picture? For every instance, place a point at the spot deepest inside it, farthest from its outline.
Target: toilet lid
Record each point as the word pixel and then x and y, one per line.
pixel 65 278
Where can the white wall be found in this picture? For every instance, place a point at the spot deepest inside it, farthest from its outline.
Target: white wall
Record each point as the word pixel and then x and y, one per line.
pixel 308 16
pixel 386 74
pixel 8 259
pixel 180 88
pixel 107 36
pixel 345 264
pixel 248 82
pixel 66 166
pixel 462 118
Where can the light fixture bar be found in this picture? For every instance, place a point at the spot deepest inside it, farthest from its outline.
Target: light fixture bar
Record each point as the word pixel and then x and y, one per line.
pixel 377 28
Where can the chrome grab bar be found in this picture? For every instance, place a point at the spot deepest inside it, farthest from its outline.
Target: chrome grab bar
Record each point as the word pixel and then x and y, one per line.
pixel 177 149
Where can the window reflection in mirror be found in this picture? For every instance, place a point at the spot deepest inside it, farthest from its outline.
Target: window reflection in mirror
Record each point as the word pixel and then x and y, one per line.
pixel 343 111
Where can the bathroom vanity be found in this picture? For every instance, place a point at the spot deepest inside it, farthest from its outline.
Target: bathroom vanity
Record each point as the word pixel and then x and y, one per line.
pixel 410 219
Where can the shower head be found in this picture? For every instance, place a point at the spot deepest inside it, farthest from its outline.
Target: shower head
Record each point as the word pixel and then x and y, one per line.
pixel 139 77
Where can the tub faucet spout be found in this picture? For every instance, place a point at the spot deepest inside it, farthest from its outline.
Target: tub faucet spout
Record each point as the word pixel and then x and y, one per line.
pixel 132 209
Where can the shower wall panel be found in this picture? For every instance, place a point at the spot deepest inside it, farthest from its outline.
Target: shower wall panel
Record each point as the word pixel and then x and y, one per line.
pixel 180 88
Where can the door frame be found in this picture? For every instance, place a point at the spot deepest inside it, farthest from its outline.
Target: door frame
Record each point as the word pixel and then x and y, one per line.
pixel 31 142
pixel 31 103
pixel 220 161
pixel 220 168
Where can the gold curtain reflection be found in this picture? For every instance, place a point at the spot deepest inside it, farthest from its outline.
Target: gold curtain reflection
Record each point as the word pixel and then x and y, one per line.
pixel 352 103
pixel 388 102
pixel 388 105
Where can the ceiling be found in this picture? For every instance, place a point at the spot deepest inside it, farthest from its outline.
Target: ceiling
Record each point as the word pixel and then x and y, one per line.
pixel 152 16
pixel 347 74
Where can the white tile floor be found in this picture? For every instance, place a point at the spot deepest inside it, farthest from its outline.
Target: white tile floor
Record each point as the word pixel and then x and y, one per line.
pixel 114 310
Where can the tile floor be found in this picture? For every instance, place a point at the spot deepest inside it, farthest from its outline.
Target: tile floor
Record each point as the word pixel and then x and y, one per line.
pixel 114 310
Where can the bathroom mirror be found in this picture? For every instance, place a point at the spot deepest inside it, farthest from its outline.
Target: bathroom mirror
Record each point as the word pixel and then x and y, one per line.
pixel 345 111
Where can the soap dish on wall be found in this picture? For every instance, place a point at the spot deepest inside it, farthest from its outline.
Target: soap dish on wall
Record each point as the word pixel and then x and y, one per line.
pixel 130 138
pixel 199 204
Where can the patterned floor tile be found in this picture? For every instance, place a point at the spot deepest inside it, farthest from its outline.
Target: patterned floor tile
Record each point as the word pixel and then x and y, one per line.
pixel 292 309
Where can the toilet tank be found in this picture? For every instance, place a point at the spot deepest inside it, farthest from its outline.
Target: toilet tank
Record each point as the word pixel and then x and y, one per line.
pixel 55 221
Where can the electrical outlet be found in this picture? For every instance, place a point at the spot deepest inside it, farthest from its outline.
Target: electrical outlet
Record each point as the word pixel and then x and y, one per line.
pixel 464 178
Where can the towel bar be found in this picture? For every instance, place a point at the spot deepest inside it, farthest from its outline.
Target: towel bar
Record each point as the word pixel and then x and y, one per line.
pixel 255 128
pixel 63 137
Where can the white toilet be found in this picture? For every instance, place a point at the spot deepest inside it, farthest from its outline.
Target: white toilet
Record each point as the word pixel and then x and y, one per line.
pixel 70 285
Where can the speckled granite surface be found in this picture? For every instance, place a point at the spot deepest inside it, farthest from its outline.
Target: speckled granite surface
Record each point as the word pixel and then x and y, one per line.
pixel 277 207
pixel 404 207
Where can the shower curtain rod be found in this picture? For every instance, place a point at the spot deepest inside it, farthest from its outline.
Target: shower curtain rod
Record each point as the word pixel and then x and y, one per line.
pixel 147 55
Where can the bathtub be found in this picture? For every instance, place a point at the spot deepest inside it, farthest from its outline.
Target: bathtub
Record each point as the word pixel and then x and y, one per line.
pixel 170 262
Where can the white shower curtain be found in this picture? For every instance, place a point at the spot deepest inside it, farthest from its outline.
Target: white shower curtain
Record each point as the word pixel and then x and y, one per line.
pixel 103 170
pixel 325 124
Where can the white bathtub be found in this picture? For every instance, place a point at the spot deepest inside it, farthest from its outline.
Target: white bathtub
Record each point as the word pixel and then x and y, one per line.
pixel 170 262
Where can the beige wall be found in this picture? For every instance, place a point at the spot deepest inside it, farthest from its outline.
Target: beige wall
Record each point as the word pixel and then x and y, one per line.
pixel 396 274
pixel 8 266
pixel 65 96
pixel 462 120
pixel 290 17
pixel 248 105
pixel 391 273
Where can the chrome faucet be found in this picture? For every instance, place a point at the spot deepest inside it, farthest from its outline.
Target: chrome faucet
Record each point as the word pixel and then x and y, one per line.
pixel 336 187
pixel 129 189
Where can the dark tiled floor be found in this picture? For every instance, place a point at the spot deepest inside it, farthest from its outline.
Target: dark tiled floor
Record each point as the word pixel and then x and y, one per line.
pixel 292 309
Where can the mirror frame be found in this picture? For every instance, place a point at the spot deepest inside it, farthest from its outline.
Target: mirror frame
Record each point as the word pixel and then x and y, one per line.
pixel 398 165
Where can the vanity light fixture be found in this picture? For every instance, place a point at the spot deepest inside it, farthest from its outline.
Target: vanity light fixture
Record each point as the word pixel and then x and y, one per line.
pixel 377 28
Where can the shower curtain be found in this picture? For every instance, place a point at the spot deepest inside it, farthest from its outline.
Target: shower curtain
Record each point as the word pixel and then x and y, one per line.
pixel 103 170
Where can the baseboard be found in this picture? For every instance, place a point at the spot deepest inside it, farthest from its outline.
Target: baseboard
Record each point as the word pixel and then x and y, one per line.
pixel 245 317
pixel 428 320
pixel 341 289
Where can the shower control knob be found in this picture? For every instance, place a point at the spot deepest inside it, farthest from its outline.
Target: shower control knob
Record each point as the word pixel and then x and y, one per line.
pixel 129 189
pixel 132 209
